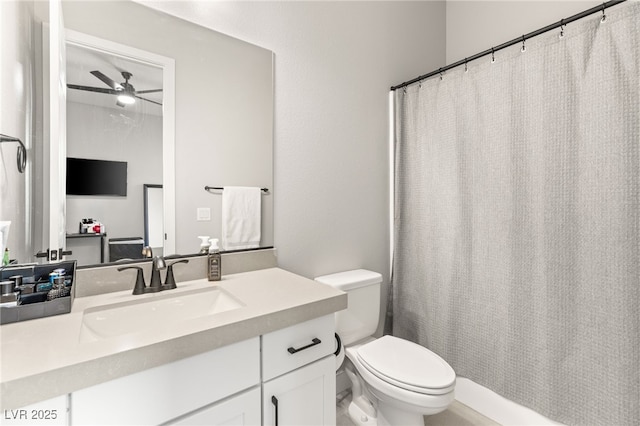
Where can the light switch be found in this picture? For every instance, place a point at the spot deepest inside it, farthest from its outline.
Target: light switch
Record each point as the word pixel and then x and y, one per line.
pixel 204 213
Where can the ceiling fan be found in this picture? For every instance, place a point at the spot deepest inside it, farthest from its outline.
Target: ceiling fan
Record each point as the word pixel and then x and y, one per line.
pixel 125 91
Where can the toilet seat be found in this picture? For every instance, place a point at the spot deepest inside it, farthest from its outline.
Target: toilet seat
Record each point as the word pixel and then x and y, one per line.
pixel 407 365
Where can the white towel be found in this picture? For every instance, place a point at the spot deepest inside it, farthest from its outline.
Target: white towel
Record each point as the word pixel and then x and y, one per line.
pixel 240 217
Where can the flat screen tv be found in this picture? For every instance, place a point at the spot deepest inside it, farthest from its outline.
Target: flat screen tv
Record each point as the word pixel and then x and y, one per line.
pixel 96 177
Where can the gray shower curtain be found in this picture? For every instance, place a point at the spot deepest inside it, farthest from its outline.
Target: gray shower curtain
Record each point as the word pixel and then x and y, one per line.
pixel 517 220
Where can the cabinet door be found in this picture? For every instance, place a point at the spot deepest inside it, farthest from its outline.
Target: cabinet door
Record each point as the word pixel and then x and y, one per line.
pixel 240 410
pixel 305 396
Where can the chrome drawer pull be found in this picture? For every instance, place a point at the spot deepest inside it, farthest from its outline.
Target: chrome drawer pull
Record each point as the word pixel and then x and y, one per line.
pixel 315 341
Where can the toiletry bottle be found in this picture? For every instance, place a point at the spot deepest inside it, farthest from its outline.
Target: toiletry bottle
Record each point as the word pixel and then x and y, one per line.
pixel 204 244
pixel 214 261
pixel 5 258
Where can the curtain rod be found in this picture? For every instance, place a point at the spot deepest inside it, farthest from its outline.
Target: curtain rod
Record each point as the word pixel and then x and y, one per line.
pixel 521 39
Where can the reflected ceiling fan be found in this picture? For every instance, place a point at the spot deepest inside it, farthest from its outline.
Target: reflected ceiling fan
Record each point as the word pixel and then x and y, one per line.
pixel 125 91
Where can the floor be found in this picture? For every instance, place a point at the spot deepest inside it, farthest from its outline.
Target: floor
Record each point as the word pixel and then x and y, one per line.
pixel 456 415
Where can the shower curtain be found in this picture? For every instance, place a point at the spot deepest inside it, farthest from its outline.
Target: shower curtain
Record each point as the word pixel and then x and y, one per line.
pixel 517 220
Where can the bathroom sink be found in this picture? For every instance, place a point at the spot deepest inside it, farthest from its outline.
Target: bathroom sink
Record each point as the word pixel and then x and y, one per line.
pixel 155 312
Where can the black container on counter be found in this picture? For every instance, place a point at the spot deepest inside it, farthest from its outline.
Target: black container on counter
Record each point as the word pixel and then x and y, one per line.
pixel 32 303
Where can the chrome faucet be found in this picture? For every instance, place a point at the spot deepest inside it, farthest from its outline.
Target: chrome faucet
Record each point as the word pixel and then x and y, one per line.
pixel 158 263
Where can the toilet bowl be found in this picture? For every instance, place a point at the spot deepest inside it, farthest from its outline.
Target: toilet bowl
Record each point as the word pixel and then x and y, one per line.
pixel 394 381
pixel 402 381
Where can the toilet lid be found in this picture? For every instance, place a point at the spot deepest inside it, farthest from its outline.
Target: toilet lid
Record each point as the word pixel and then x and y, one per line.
pixel 407 365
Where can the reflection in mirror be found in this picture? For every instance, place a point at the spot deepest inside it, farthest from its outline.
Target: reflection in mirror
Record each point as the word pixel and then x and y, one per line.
pixel 119 137
pixel 223 123
pixel 115 142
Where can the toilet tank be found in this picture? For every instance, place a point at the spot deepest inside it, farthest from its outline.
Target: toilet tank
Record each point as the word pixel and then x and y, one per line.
pixel 360 319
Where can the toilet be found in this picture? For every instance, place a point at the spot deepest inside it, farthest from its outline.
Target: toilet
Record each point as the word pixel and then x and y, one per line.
pixel 394 381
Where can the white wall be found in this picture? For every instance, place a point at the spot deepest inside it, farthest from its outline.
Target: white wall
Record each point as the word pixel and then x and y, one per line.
pixel 96 132
pixel 475 26
pixel 334 65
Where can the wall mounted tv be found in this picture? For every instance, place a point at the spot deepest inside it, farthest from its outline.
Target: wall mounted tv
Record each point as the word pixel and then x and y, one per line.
pixel 96 177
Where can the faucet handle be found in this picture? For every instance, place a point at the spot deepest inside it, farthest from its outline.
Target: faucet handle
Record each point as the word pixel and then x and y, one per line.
pixel 170 281
pixel 140 286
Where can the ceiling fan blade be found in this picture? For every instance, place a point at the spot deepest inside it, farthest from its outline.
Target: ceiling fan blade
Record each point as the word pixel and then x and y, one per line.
pixel 149 91
pixel 92 89
pixel 106 80
pixel 148 100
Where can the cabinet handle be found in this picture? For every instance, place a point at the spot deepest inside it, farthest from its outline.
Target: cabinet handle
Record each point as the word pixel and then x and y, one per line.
pixel 274 401
pixel 315 341
pixel 339 344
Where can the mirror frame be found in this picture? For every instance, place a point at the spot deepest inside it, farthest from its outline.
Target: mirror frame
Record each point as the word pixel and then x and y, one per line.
pixel 168 117
pixel 150 218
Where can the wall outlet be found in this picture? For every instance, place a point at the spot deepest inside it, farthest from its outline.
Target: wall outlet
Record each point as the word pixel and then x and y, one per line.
pixel 203 214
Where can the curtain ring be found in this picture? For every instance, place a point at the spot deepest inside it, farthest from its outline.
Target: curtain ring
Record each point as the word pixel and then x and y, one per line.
pixel 524 48
pixel 493 58
pixel 561 28
pixel 465 65
pixel 440 71
pixel 604 17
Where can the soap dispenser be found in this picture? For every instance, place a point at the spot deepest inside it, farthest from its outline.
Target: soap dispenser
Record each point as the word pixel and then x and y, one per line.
pixel 204 244
pixel 214 261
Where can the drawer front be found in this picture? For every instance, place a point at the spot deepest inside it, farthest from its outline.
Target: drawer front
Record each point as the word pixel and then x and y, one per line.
pixel 163 393
pixel 292 347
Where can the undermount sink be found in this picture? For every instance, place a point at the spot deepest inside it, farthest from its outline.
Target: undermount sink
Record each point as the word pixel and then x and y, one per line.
pixel 154 312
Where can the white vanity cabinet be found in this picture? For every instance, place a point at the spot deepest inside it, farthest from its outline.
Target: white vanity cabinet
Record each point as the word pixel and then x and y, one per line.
pixel 286 377
pixel 299 374
pixel 170 391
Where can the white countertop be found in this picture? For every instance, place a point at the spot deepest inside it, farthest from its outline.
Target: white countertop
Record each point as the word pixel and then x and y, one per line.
pixel 44 358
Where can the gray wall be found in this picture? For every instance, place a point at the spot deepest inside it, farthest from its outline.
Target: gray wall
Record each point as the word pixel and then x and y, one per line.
pixel 334 65
pixel 475 26
pixel 107 134
pixel 334 62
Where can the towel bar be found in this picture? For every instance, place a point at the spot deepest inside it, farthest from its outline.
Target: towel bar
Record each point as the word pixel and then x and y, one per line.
pixel 220 188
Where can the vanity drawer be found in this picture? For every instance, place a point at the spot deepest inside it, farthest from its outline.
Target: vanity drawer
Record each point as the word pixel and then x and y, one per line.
pixel 163 393
pixel 292 347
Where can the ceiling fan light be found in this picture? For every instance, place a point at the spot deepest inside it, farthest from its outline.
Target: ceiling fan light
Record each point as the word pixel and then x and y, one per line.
pixel 126 99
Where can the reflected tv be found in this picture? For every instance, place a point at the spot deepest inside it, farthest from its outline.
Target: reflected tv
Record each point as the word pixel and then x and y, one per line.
pixel 96 177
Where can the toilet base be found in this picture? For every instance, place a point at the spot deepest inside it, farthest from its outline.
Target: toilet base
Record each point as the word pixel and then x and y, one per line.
pixel 396 417
pixel 389 415
pixel 364 412
pixel 359 417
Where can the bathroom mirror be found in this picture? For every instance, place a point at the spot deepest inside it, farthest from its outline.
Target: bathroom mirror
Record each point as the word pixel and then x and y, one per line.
pixel 223 113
